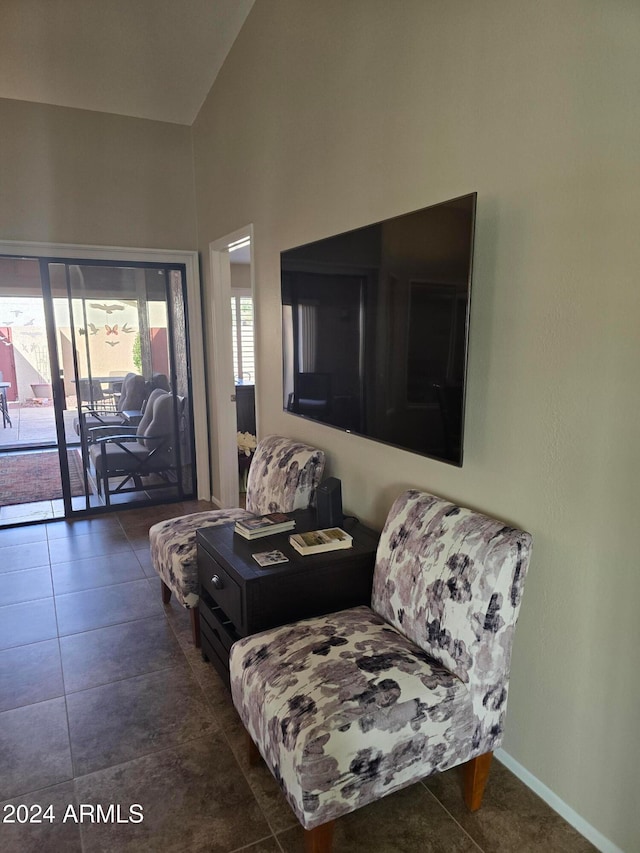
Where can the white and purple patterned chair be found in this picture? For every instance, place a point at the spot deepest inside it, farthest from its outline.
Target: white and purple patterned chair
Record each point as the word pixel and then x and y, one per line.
pixel 350 707
pixel 283 477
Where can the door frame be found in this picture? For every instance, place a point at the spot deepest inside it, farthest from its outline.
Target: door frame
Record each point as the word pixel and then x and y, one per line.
pixel 77 251
pixel 224 445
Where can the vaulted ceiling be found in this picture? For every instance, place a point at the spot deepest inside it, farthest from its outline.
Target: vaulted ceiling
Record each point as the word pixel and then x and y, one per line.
pixel 154 59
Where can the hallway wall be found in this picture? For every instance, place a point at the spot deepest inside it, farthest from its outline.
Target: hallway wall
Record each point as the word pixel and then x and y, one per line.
pixel 75 176
pixel 329 116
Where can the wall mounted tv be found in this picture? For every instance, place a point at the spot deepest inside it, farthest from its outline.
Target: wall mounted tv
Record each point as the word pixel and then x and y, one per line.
pixel 375 328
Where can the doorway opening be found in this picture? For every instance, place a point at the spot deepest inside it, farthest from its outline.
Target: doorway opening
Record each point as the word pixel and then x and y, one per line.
pixel 232 331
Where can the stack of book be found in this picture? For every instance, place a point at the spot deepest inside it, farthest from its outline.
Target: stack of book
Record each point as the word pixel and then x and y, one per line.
pixel 318 541
pixel 256 526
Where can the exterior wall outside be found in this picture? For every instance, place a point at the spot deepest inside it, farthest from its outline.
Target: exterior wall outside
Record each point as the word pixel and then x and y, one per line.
pixel 328 116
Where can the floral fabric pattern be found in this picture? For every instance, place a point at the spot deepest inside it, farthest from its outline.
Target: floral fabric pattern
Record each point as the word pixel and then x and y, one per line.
pixel 283 476
pixel 174 551
pixel 286 476
pixel 349 707
pixel 451 580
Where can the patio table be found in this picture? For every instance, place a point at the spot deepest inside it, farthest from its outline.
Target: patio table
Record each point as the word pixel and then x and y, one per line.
pixel 110 385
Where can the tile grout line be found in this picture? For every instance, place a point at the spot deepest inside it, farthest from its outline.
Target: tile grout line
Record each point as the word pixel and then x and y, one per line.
pixel 246 776
pixel 75 633
pixel 37 790
pixel 247 780
pixel 77 778
pixel 253 843
pixel 152 752
pixel 108 625
pixel 100 586
pixel 27 600
pixel 66 706
pixel 119 680
pixel 442 805
pixel 223 732
pixel 66 692
pixel 26 568
pixel 58 638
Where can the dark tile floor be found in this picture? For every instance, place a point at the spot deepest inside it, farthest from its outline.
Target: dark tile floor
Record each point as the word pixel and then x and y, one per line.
pixel 104 701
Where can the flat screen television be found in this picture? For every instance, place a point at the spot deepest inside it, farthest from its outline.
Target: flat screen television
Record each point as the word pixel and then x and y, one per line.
pixel 375 327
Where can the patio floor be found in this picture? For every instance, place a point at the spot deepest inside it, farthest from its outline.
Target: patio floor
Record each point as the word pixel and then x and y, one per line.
pixel 35 425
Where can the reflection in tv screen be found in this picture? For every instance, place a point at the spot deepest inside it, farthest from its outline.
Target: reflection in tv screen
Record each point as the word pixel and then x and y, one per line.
pixel 375 329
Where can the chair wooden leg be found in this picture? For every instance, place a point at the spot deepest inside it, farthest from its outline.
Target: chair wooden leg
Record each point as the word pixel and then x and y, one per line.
pixel 253 752
pixel 474 778
pixel 319 839
pixel 166 593
pixel 195 626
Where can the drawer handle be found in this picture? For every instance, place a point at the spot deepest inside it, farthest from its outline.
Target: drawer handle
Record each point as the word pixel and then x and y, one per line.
pixel 217 581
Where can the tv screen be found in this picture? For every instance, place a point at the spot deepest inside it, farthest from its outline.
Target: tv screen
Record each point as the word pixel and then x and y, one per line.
pixel 375 327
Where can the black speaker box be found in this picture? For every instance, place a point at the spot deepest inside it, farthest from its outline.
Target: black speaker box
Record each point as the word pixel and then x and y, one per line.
pixel 329 503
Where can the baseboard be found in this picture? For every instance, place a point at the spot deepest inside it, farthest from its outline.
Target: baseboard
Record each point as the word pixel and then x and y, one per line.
pixel 572 817
pixel 214 500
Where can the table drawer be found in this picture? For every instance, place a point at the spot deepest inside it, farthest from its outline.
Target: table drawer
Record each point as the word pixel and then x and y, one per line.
pixel 221 664
pixel 219 584
pixel 213 639
pixel 214 622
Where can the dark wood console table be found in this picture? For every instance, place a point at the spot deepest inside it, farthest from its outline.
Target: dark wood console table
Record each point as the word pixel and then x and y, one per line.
pixel 238 597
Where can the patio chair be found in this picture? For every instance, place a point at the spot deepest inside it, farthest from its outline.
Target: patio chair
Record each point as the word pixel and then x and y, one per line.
pixel 159 380
pixel 132 398
pixel 90 391
pixel 134 454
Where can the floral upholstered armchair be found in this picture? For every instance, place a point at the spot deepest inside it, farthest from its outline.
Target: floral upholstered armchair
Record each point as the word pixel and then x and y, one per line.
pixel 350 707
pixel 283 477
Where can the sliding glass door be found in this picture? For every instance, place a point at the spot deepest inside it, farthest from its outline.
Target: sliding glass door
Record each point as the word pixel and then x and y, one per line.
pixel 31 487
pixel 116 377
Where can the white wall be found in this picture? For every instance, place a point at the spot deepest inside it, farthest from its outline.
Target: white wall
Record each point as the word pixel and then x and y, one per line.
pixel 75 176
pixel 331 115
pixel 88 178
pixel 240 276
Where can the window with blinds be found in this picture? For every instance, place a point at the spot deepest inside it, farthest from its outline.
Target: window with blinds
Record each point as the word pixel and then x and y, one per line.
pixel 244 369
